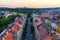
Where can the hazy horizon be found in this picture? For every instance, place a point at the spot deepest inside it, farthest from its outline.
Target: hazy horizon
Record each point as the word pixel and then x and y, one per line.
pixel 30 3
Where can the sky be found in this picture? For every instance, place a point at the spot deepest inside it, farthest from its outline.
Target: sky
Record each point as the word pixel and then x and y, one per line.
pixel 30 3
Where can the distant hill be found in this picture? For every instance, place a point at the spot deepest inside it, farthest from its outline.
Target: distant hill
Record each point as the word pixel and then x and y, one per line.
pixel 16 9
pixel 56 8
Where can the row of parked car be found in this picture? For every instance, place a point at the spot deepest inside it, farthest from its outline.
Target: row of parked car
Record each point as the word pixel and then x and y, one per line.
pixel 14 32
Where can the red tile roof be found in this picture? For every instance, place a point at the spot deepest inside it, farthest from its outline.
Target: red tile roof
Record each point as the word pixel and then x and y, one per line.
pixel 9 37
pixel 58 17
pixel 22 19
pixel 36 20
pixel 0 38
pixel 10 33
pixel 20 22
pixel 14 29
pixel 48 38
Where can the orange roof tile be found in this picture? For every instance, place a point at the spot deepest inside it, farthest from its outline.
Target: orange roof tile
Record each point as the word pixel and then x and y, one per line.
pixel 16 26
pixel 10 33
pixel 9 37
pixel 19 25
pixel 14 29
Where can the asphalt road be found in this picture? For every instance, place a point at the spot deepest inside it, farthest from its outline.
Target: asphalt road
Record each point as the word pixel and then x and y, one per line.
pixel 28 32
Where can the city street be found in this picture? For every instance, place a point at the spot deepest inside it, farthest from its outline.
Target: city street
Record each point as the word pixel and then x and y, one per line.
pixel 34 26
pixel 28 33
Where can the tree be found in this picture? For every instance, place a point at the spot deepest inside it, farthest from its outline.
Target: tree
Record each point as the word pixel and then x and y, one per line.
pixel 5 21
pixel 38 11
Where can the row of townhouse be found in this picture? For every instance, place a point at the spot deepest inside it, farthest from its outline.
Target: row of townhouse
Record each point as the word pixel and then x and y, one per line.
pixel 43 28
pixel 15 31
